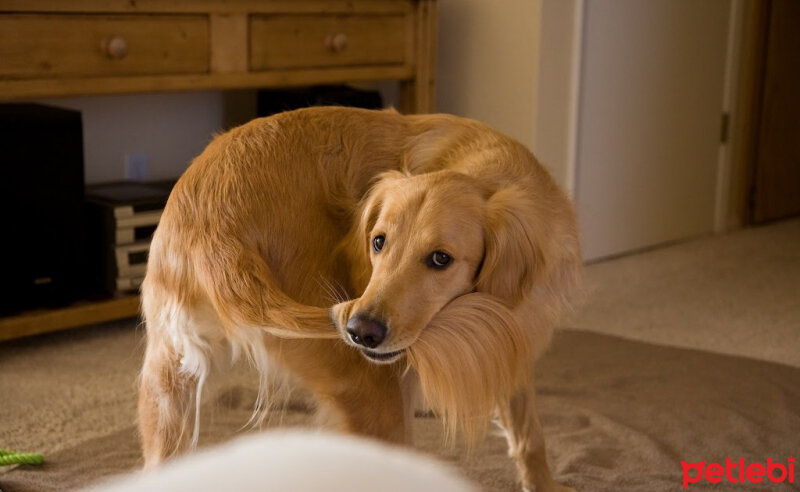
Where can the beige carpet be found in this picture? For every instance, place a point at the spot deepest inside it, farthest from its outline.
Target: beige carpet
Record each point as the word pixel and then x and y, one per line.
pixel 618 414
pixel 735 294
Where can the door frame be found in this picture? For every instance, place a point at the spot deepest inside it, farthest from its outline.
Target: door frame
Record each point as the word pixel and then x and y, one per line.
pixel 744 100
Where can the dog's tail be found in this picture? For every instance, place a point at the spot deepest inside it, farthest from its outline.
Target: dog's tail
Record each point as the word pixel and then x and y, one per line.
pixel 471 358
pixel 227 273
pixel 245 293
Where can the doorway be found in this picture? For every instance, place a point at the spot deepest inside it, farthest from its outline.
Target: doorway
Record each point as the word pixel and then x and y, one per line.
pixel 775 170
pixel 650 108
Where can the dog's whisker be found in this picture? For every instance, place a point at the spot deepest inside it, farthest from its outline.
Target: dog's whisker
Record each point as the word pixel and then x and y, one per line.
pixel 343 295
pixel 335 293
pixel 339 292
pixel 329 289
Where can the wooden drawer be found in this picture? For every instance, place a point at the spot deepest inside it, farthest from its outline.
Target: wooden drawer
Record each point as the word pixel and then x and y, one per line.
pixel 318 41
pixel 49 46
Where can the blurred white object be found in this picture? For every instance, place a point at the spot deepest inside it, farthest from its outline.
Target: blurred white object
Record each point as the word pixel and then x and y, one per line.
pixel 289 461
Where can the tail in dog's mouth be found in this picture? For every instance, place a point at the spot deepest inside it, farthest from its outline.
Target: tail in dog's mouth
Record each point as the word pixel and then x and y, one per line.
pixel 471 357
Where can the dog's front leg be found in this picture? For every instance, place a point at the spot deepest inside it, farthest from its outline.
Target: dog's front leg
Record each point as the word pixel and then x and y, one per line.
pixel 526 441
pixel 412 402
pixel 375 409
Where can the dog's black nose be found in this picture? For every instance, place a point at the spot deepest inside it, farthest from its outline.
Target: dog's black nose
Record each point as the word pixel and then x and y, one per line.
pixel 366 331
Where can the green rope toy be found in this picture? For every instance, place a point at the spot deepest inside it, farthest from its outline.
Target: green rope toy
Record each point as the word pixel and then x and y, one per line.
pixel 11 458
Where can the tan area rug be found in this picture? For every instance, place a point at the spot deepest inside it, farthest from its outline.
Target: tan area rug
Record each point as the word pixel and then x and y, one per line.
pixel 618 414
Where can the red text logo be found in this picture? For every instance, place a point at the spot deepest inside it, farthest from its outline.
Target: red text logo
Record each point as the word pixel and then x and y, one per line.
pixel 738 471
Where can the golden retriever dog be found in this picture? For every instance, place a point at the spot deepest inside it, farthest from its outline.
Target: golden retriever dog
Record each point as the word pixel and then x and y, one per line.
pixel 369 255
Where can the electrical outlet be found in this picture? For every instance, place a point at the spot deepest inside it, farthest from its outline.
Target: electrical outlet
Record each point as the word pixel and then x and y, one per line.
pixel 137 166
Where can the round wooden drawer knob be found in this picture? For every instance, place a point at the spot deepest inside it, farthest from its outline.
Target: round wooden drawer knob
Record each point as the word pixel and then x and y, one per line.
pixel 115 47
pixel 336 42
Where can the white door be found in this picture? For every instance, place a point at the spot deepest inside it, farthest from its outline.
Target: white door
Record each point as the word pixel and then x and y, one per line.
pixel 649 117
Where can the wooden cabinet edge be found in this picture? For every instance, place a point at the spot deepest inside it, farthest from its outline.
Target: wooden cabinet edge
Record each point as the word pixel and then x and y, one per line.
pixel 38 88
pixel 79 314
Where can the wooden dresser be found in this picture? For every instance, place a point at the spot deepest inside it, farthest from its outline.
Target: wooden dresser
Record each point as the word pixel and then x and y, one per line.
pixel 54 48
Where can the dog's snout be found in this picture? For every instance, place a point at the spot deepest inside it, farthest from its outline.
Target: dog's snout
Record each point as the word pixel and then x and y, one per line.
pixel 366 331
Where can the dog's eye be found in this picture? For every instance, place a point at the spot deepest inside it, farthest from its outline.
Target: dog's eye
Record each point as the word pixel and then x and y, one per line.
pixel 378 242
pixel 438 259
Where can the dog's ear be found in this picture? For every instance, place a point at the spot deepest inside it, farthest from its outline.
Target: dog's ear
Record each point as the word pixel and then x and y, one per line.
pixel 356 245
pixel 513 257
pixel 372 204
pixel 367 219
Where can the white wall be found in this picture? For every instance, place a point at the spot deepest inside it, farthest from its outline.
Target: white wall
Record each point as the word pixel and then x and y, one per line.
pixel 171 128
pixel 488 63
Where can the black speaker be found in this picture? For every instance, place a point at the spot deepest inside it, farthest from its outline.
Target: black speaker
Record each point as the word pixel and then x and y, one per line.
pixel 271 101
pixel 41 198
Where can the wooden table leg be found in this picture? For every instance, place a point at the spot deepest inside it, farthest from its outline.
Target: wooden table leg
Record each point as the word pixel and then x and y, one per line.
pixel 418 94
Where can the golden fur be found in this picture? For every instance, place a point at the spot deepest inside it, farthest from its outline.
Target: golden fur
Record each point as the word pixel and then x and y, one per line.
pixel 265 250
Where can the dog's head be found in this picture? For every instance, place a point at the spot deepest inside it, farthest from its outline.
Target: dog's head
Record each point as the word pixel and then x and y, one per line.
pixel 431 238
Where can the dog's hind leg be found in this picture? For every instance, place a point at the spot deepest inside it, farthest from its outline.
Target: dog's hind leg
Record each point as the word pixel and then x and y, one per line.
pixel 181 337
pixel 165 402
pixel 526 441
